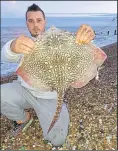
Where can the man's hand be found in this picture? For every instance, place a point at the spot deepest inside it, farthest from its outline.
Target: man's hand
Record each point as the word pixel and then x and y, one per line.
pixel 85 34
pixel 22 45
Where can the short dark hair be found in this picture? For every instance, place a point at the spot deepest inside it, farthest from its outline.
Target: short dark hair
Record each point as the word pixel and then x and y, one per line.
pixel 34 7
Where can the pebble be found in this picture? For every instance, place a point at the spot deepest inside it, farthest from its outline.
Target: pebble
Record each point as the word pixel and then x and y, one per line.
pixel 109 138
pixel 50 144
pixel 74 147
pixel 5 140
pixel 61 148
pixel 53 148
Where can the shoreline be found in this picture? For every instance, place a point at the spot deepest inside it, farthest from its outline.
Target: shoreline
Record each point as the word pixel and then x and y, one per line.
pixel 109 45
pixel 10 78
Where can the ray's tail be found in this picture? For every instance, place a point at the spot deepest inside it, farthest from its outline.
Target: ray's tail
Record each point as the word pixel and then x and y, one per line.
pixel 58 109
pixel 57 114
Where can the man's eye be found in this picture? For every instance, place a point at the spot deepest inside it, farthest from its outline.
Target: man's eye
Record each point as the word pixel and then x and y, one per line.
pixel 30 21
pixel 38 21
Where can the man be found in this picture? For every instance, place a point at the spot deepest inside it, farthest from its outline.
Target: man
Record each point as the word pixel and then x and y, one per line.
pixel 18 96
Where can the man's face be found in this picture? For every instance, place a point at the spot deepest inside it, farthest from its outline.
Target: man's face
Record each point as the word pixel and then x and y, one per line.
pixel 35 22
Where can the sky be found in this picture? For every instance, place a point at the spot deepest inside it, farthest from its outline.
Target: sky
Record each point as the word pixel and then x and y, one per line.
pixel 17 9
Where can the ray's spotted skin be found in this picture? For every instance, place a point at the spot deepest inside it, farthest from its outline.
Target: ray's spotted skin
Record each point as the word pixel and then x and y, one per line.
pixel 57 62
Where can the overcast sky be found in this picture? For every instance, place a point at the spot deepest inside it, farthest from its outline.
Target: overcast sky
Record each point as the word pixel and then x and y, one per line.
pixel 18 8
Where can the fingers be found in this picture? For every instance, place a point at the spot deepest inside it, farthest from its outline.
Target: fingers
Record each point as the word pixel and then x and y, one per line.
pixel 79 33
pixel 89 29
pixel 22 44
pixel 25 45
pixel 84 35
pixel 31 41
pixel 87 38
pixel 24 49
pixel 22 37
pixel 28 42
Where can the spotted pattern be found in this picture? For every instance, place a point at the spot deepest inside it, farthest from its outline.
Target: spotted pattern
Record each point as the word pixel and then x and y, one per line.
pixel 56 62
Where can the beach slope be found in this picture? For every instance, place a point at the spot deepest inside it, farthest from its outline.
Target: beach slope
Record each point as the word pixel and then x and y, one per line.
pixel 93 110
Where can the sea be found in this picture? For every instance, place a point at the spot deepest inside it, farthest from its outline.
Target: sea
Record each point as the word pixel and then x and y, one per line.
pixel 104 25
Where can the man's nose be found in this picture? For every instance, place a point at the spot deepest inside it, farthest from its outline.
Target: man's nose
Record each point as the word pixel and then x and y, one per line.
pixel 35 24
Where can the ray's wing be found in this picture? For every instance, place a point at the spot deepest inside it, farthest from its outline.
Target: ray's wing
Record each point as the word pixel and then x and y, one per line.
pixel 56 62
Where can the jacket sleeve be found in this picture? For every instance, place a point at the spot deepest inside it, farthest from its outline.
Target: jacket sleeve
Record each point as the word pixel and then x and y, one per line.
pixel 8 56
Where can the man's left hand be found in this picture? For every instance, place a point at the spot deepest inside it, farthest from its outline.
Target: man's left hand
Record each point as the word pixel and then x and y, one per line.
pixel 85 34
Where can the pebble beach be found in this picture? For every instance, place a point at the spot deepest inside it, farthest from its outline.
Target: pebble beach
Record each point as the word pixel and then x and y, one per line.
pixel 93 115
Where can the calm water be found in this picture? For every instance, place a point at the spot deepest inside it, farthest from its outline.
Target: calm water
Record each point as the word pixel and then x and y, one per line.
pixel 99 20
pixel 13 27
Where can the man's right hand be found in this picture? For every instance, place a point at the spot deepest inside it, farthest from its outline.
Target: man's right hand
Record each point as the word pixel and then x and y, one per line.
pixel 22 45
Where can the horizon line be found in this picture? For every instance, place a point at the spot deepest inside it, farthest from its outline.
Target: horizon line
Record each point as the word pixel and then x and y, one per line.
pixel 66 15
